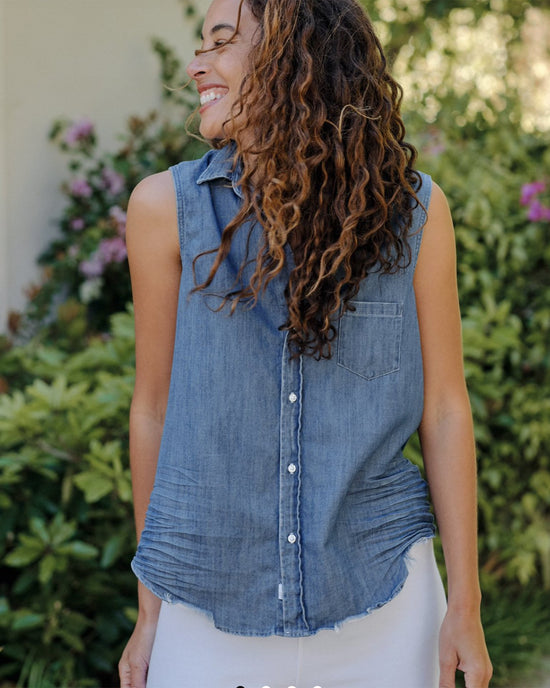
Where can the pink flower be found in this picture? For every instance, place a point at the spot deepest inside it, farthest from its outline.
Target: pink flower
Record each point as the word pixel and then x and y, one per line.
pixel 538 212
pixel 77 224
pixel 79 131
pixel 113 181
pixel 93 267
pixel 80 188
pixel 529 191
pixel 119 216
pixel 113 250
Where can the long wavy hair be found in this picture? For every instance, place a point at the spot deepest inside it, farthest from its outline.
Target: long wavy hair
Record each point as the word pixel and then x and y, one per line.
pixel 325 166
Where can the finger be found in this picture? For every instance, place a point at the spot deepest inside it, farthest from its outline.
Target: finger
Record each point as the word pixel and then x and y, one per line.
pixel 125 675
pixel 447 673
pixel 138 675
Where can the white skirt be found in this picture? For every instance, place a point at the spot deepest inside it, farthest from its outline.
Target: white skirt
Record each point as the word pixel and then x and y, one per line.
pixel 392 647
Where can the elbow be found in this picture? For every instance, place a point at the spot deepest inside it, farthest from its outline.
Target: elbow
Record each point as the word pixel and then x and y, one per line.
pixel 150 410
pixel 446 412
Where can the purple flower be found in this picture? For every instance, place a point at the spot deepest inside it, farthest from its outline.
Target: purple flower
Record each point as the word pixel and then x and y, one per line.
pixel 80 188
pixel 77 224
pixel 113 181
pixel 529 191
pixel 93 267
pixel 119 216
pixel 79 131
pixel 538 212
pixel 73 251
pixel 113 250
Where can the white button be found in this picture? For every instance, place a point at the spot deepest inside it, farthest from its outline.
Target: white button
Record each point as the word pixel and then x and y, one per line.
pixel 291 538
pixel 292 397
pixel 291 468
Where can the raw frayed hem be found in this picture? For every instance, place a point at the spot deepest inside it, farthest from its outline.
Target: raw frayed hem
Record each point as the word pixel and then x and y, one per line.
pixel 409 560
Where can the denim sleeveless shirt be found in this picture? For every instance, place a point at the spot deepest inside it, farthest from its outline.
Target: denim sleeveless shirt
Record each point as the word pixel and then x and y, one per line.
pixel 282 501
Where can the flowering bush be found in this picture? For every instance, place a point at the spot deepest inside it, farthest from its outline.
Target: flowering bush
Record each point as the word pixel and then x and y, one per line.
pixel 87 263
pixel 530 197
pixel 92 252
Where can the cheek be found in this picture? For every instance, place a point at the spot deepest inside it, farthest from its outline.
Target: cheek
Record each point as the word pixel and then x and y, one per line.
pixel 240 66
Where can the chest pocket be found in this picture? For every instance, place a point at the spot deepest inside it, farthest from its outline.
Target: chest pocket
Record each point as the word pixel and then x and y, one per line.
pixel 369 339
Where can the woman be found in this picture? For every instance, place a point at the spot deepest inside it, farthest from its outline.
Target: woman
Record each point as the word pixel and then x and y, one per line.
pixel 296 321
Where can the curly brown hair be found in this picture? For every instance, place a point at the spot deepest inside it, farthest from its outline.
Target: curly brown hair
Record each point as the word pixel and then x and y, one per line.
pixel 325 166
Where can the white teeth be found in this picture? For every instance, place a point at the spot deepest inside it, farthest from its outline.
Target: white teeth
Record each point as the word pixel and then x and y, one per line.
pixel 208 96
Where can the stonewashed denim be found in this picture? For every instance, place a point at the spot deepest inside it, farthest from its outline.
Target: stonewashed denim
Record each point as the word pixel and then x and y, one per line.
pixel 282 502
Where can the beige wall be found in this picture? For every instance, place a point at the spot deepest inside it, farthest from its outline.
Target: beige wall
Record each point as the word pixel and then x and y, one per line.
pixel 67 58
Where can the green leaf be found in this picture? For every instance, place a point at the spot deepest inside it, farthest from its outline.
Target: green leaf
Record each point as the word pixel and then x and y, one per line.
pixel 78 550
pixel 23 556
pixel 94 485
pixel 38 527
pixel 111 550
pixel 25 620
pixel 46 568
pixel 61 530
pixel 70 639
pixel 4 606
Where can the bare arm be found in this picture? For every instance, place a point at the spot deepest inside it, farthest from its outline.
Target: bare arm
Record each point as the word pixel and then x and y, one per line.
pixel 155 268
pixel 446 435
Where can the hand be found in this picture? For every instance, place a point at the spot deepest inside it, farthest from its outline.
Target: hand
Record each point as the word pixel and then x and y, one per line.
pixel 462 646
pixel 134 663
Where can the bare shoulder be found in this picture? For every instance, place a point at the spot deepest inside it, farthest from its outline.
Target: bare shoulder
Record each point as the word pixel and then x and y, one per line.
pixel 155 190
pixel 152 212
pixel 437 250
pixel 438 199
pixel 439 215
pixel 154 197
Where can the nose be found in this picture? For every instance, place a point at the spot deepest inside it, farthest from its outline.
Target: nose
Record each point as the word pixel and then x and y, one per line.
pixel 198 66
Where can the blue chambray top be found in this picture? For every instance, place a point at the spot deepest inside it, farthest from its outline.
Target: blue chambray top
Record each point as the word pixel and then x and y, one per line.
pixel 282 502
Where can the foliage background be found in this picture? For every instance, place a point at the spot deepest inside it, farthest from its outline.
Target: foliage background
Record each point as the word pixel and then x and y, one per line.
pixel 66 593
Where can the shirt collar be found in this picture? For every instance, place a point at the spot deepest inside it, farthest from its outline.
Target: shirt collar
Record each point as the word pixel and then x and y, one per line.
pixel 220 166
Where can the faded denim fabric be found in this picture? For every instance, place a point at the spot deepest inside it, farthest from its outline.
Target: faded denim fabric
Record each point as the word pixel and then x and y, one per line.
pixel 282 502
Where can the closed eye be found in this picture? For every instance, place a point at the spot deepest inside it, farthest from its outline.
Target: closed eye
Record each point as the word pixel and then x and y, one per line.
pixel 216 44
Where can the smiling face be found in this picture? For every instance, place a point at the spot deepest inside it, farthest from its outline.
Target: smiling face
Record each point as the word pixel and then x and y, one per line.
pixel 219 73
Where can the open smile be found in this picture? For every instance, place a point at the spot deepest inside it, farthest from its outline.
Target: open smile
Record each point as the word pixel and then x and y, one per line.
pixel 211 96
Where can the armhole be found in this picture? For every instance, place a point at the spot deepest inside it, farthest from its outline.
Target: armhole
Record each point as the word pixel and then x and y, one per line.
pixel 177 179
pixel 420 216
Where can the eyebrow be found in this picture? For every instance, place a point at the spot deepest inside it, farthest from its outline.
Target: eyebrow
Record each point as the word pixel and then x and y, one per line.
pixel 219 27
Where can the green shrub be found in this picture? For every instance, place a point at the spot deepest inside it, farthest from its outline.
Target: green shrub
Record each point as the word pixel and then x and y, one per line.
pixel 67 597
pixel 504 284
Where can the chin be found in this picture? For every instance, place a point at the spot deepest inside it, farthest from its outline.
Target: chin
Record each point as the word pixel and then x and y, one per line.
pixel 211 134
pixel 211 129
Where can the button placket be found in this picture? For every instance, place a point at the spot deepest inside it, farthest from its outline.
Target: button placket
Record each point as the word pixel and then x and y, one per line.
pixel 289 495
